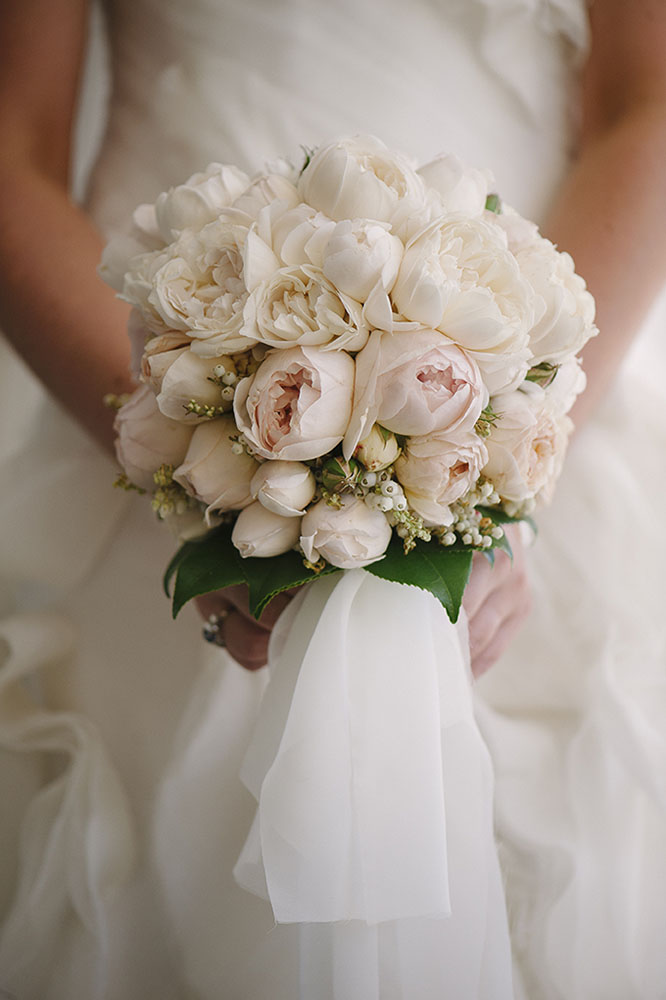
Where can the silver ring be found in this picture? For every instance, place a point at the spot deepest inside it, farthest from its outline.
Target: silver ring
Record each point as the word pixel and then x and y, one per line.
pixel 212 630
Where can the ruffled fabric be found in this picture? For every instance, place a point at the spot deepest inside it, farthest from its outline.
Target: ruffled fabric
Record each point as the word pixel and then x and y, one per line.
pixel 76 844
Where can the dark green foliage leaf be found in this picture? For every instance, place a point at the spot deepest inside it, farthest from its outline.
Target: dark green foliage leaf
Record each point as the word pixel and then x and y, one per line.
pixel 214 562
pixel 203 566
pixel 268 577
pixel 431 566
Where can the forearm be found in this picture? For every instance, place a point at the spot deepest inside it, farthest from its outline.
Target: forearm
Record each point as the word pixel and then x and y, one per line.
pixel 611 216
pixel 63 320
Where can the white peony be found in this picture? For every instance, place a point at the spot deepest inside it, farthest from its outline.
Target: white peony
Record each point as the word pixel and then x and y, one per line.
pixel 360 178
pixel 350 536
pixel 360 255
pixel 299 306
pixel 199 199
pixel 564 320
pixel 300 235
pixel 460 278
pixel 462 190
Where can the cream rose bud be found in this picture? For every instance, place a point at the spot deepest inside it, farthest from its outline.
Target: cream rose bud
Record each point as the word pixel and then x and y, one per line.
pixel 199 199
pixel 361 254
pixel 414 383
pixel 188 378
pixel 286 488
pixel 377 450
pixel 564 320
pixel 435 471
pixel 297 404
pixel 146 439
pixel 159 354
pixel 212 472
pixel 259 533
pixel 349 536
pixel 462 189
pixel 298 305
pixel 359 178
pixel 526 447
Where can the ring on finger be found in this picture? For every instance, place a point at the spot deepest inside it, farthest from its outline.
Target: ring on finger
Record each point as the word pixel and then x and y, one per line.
pixel 212 629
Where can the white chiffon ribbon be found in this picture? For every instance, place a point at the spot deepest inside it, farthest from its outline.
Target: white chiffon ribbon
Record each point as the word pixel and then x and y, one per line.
pixel 365 742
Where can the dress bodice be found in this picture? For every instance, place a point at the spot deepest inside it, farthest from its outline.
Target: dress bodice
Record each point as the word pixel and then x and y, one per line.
pixel 241 82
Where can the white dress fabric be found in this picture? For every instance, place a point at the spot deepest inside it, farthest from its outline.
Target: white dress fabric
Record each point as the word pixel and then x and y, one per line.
pixel 130 764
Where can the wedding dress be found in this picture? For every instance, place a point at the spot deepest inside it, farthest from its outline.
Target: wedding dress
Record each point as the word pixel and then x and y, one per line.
pixel 122 737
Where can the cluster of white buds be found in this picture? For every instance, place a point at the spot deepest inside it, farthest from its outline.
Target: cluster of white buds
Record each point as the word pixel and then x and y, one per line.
pixel 169 497
pixel 383 492
pixel 470 525
pixel 227 381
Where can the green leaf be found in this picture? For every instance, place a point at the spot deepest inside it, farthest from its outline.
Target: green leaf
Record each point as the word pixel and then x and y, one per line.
pixel 268 577
pixel 494 204
pixel 214 562
pixel 203 566
pixel 431 566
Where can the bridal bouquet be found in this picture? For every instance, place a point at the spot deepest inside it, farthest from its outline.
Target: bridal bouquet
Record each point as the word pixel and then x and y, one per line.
pixel 352 364
pixel 364 367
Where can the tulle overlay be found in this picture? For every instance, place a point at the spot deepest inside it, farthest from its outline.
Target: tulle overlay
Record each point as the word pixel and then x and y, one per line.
pixel 138 769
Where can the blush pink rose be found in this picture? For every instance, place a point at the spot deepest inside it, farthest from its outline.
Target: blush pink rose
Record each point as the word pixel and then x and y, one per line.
pixel 297 404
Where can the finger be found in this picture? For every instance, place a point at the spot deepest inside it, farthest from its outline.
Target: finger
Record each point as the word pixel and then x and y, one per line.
pixel 246 640
pixel 484 579
pixel 483 659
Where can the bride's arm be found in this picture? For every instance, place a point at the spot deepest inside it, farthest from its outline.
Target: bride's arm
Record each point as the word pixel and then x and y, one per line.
pixel 62 319
pixel 611 213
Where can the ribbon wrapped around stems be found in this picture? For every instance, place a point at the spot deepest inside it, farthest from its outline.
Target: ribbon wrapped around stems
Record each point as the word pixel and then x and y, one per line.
pixel 374 787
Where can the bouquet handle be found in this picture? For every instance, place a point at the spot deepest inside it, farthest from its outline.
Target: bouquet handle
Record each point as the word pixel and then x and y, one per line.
pixel 373 785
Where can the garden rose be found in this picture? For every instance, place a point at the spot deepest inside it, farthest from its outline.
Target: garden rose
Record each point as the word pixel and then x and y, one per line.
pixel 435 471
pixel 199 199
pixel 299 306
pixel 286 488
pixel 359 178
pixel 297 404
pixel 146 439
pixel 259 533
pixel 350 536
pixel 212 472
pixel 414 383
pixel 526 447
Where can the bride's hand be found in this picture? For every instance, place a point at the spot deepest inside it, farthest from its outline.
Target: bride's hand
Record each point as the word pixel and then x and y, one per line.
pixel 497 601
pixel 245 637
